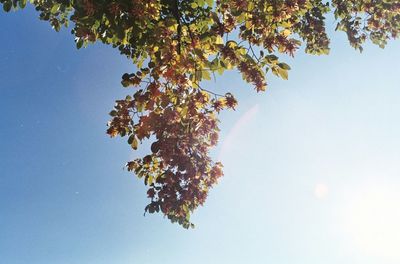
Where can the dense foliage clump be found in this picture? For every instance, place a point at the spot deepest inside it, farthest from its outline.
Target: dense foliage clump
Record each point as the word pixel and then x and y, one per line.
pixel 175 45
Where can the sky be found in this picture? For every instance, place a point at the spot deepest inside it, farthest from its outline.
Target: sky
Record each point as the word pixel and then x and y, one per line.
pixel 311 166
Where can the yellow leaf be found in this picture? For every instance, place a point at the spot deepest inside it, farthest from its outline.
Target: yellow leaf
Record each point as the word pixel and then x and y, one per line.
pixel 134 143
pixel 219 40
pixel 286 32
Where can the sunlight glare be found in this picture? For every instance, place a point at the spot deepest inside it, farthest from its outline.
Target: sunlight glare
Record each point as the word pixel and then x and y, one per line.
pixel 372 221
pixel 321 190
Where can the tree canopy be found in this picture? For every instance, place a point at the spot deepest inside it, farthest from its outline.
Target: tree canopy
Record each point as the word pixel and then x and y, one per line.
pixel 175 45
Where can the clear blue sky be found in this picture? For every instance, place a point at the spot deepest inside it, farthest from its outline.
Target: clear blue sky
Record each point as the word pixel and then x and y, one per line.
pixel 312 168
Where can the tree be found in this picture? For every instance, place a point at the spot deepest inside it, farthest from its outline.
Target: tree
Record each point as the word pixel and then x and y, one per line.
pixel 175 45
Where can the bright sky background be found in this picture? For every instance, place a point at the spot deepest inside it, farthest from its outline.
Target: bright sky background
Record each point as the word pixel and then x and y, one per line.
pixel 312 171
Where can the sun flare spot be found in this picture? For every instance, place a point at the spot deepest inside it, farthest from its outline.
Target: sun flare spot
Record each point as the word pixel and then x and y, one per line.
pixel 321 190
pixel 372 221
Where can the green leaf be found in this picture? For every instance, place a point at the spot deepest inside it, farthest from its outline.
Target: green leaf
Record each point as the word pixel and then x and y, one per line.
pixel 214 64
pixel 280 72
pixel 271 59
pixel 284 66
pixel 22 3
pixel 7 6
pixel 79 43
pixel 55 8
pixel 130 139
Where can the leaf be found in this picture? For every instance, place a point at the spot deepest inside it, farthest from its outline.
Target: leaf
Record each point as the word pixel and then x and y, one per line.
pixel 271 59
pixel 283 73
pixel 206 75
pixel 148 180
pixel 198 75
pixel 284 66
pixel 286 32
pixel 231 44
pixel 22 3
pixel 55 8
pixel 79 43
pixel 219 40
pixel 7 6
pixel 133 142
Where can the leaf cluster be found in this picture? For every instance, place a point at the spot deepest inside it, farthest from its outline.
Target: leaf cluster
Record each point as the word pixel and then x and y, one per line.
pixel 175 45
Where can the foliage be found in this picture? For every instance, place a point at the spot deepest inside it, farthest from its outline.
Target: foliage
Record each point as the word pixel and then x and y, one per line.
pixel 175 45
